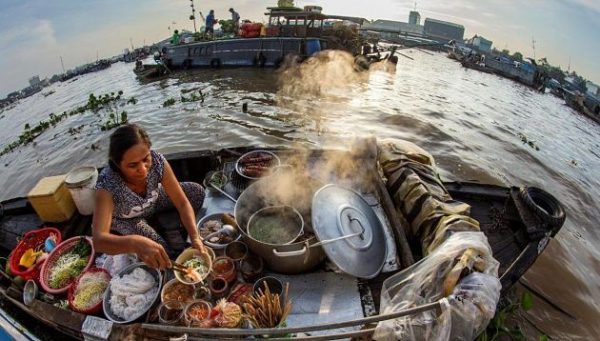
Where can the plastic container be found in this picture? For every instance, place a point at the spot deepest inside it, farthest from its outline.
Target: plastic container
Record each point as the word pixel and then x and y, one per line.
pixel 52 200
pixel 312 46
pixel 31 240
pixel 61 249
pixel 81 182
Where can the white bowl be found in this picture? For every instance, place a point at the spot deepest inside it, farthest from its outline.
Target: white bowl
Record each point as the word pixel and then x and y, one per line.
pixel 188 254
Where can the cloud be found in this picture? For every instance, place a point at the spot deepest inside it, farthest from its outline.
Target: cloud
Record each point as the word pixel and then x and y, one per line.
pixel 29 33
pixel 593 5
pixel 26 49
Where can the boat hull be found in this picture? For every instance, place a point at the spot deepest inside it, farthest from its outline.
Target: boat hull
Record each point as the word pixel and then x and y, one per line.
pixel 239 52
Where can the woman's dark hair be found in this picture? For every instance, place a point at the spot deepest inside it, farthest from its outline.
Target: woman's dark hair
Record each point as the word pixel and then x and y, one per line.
pixel 122 139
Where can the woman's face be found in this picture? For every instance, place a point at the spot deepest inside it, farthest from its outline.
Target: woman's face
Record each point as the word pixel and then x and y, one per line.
pixel 136 163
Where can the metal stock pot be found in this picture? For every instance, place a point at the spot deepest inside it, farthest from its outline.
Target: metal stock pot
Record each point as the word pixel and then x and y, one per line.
pixel 282 188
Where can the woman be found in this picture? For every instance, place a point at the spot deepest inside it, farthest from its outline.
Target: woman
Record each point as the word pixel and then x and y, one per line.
pixel 137 184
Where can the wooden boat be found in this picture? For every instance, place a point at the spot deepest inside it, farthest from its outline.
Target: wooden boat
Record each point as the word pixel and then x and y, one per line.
pixel 150 71
pixel 291 31
pixel 475 66
pixel 516 233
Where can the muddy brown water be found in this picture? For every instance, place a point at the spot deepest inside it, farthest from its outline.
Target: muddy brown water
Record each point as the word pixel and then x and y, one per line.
pixel 473 124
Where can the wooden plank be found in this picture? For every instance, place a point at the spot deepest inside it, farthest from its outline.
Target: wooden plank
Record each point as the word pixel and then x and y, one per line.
pixel 66 321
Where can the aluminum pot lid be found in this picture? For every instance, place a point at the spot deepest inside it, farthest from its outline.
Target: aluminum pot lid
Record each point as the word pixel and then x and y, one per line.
pixel 339 212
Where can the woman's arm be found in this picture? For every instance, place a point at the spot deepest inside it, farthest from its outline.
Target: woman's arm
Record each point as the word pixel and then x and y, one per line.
pixel 182 204
pixel 147 250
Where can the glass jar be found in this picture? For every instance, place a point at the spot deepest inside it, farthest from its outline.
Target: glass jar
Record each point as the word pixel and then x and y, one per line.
pixel 171 312
pixel 218 287
pixel 224 267
pixel 197 312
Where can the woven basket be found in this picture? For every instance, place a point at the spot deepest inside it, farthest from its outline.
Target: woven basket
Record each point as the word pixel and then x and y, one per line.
pixel 58 251
pixel 31 240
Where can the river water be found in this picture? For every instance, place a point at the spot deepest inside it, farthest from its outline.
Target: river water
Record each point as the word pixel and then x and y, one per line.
pixel 472 123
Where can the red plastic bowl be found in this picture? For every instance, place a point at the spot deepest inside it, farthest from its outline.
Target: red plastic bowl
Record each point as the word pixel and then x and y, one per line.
pixel 58 251
pixel 31 240
pixel 73 288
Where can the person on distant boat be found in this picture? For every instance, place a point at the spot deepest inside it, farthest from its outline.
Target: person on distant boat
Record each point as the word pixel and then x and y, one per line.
pixel 235 19
pixel 176 38
pixel 210 23
pixel 137 184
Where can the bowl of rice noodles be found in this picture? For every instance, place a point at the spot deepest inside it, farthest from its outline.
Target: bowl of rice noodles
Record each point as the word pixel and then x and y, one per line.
pixel 131 293
pixel 198 265
pixel 86 293
pixel 65 263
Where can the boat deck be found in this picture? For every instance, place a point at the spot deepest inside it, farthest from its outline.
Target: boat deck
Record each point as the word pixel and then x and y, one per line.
pixel 322 299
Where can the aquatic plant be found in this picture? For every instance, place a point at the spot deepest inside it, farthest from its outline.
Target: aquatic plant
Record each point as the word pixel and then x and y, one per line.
pixel 169 102
pixel 500 327
pixel 95 104
pixel 114 120
pixel 193 97
pixel 529 142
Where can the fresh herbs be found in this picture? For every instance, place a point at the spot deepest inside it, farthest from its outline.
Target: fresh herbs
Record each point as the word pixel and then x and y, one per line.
pixel 82 248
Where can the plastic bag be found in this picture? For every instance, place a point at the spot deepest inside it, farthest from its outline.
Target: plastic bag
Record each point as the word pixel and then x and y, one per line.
pixel 424 282
pixel 473 305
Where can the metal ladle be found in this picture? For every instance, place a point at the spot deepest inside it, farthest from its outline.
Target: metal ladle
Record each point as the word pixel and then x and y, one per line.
pixel 226 229
pixel 223 192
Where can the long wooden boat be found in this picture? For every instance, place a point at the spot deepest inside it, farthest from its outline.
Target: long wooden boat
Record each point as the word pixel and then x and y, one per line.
pixel 475 66
pixel 516 235
pixel 290 32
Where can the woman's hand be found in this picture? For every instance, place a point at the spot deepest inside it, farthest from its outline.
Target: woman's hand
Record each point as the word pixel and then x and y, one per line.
pixel 198 244
pixel 152 253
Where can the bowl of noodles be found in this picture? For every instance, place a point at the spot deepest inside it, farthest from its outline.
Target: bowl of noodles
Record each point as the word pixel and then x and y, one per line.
pixel 86 293
pixel 198 265
pixel 65 263
pixel 131 293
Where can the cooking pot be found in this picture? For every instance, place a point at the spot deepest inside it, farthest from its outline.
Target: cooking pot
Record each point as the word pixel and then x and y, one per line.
pixel 289 188
pixel 289 225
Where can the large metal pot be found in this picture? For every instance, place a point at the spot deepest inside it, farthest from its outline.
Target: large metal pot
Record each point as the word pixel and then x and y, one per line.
pixel 285 187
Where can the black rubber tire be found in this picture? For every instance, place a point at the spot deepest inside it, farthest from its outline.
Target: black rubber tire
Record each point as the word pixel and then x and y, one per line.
pixel 544 205
pixel 186 64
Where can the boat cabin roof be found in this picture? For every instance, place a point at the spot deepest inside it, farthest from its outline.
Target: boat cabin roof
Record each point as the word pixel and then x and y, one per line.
pixel 291 13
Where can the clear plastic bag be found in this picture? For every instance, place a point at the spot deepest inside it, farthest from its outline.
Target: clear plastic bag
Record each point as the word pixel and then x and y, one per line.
pixel 464 314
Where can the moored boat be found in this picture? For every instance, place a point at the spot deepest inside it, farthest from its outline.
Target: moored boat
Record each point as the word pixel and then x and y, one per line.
pixel 510 218
pixel 294 32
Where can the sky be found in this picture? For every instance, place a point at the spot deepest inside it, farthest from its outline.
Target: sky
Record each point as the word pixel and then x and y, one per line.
pixel 34 34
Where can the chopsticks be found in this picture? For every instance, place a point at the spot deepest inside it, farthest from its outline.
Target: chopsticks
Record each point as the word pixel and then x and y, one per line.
pixel 179 267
